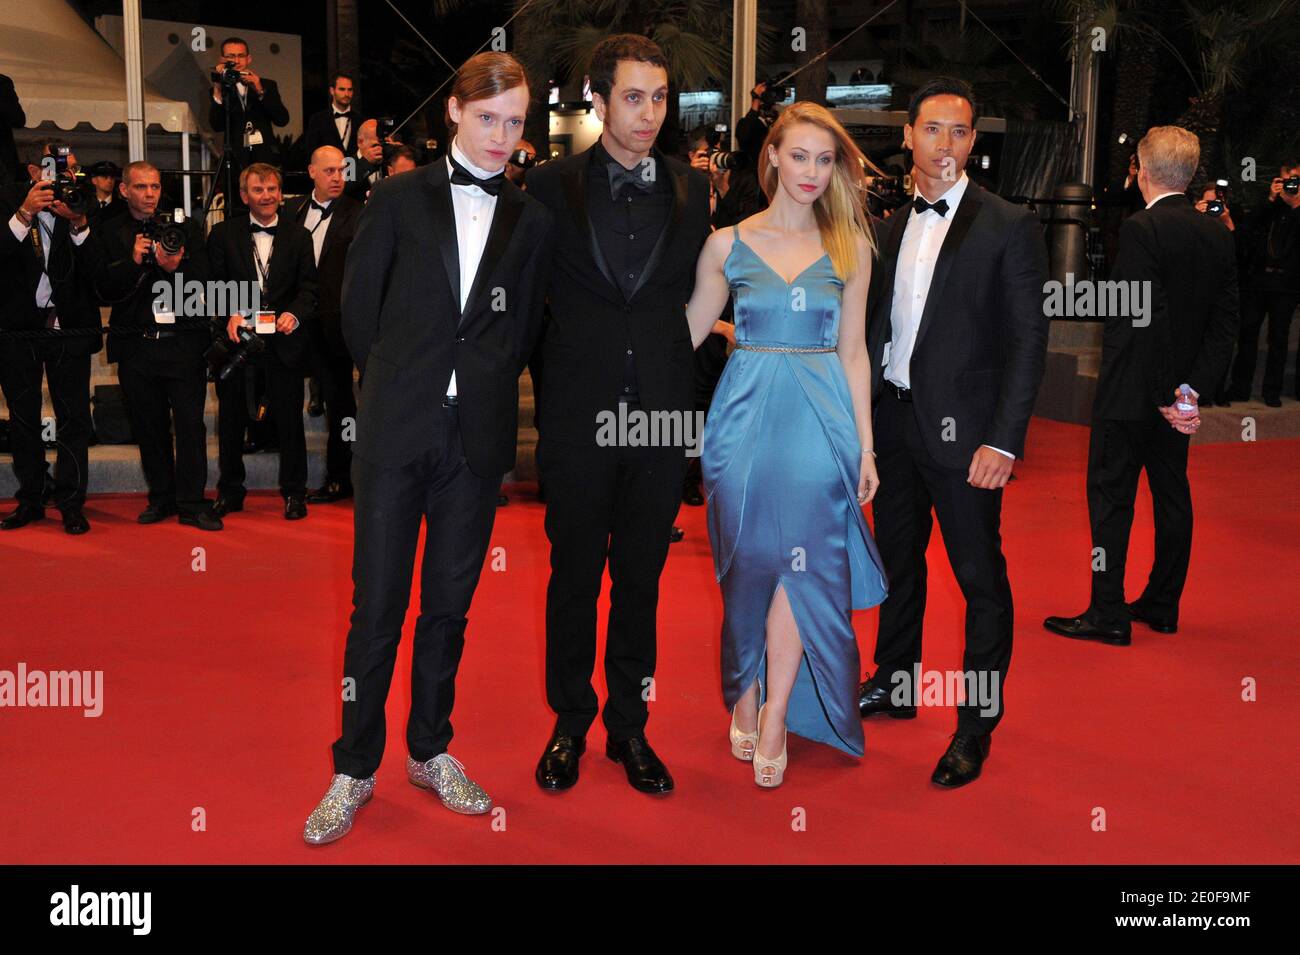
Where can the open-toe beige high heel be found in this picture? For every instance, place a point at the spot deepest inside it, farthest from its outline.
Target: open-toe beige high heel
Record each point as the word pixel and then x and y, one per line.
pixel 775 778
pixel 738 738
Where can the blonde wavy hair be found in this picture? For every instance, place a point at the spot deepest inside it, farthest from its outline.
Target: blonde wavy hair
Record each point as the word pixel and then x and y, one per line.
pixel 840 210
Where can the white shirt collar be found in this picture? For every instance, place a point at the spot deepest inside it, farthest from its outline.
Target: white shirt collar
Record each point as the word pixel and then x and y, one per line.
pixel 312 198
pixel 953 194
pixel 474 170
pixel 1161 196
pixel 252 220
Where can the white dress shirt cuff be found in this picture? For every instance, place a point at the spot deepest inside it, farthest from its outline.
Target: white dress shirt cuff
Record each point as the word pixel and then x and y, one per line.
pixel 17 228
pixel 999 451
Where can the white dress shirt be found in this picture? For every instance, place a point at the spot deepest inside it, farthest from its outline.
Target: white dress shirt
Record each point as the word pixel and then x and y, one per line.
pixel 263 244
pixel 342 124
pixel 317 224
pixel 922 239
pixel 45 221
pixel 474 209
pixel 1161 196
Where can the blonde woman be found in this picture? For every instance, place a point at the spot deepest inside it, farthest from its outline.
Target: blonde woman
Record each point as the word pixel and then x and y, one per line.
pixel 787 451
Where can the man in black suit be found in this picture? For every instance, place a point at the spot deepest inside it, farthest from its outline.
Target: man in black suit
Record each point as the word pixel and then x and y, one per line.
pixel 266 252
pixel 630 225
pixel 108 203
pixel 46 263
pixel 11 117
pixel 255 109
pixel 159 362
pixel 958 343
pixel 331 218
pixel 1186 262
pixel 441 306
pixel 368 168
pixel 336 125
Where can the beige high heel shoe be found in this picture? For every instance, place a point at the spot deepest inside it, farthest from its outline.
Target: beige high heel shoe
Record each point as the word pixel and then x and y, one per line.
pixel 761 762
pixel 737 737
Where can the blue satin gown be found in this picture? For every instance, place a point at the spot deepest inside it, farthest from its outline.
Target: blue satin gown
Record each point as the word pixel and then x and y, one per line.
pixel 781 459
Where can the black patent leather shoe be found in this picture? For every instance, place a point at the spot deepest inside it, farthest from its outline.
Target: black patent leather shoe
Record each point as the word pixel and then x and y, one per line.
pixel 1082 627
pixel 74 522
pixel 675 535
pixel 332 491
pixel 155 513
pixel 962 763
pixel 203 519
pixel 295 508
pixel 874 700
pixel 645 771
pixel 1158 624
pixel 558 767
pixel 22 515
pixel 224 505
pixel 691 495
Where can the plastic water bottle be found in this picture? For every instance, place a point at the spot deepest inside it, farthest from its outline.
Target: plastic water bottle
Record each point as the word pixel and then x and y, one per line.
pixel 1186 401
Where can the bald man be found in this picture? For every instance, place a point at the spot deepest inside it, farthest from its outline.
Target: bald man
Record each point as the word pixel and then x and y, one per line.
pixel 331 218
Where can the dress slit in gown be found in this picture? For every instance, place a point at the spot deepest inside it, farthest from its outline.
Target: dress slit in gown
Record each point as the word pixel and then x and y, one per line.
pixel 780 458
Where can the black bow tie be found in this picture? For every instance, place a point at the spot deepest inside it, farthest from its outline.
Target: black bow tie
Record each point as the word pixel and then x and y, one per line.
pixel 460 176
pixel 620 177
pixel 920 205
pixel 268 229
pixel 323 210
pixel 337 114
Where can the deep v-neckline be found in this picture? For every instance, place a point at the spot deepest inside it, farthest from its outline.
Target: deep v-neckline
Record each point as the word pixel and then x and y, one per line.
pixel 764 263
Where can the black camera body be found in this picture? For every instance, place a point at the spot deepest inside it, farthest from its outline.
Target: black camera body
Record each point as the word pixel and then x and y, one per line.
pixel 166 230
pixel 720 158
pixel 522 159
pixel 225 357
pixel 1291 185
pixel 73 189
pixel 1214 207
pixel 227 74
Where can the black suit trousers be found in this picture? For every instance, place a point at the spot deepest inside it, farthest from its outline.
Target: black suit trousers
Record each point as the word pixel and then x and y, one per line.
pixel 334 372
pixel 1276 305
pixel 1117 452
pixel 458 509
pixel 615 505
pixel 912 485
pixel 161 389
pixel 22 366
pixel 284 394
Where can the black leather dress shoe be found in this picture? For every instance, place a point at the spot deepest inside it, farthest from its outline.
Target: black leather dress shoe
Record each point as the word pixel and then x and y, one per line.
pixel 1158 624
pixel 329 493
pixel 203 519
pixel 676 534
pixel 692 496
pixel 22 515
pixel 558 767
pixel 224 505
pixel 74 522
pixel 645 771
pixel 962 763
pixel 295 508
pixel 1273 402
pixel 1083 628
pixel 874 700
pixel 155 513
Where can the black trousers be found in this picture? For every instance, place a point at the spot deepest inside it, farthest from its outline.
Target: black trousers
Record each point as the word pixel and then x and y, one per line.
pixel 912 484
pixel 1276 305
pixel 458 508
pixel 1117 452
pixel 163 386
pixel 334 373
pixel 284 393
pixel 613 504
pixel 22 366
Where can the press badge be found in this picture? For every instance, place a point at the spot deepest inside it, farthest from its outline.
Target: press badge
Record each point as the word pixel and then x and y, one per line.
pixel 161 317
pixel 252 135
pixel 264 324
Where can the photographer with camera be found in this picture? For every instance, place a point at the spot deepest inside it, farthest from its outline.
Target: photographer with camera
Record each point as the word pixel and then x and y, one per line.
pixel 1270 288
pixel 1213 202
pixel 251 105
pixel 273 254
pixel 373 147
pixel 45 265
pixel 159 363
pixel 521 160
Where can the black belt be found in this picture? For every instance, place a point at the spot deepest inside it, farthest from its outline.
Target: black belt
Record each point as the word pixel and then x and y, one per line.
pixel 156 333
pixel 902 394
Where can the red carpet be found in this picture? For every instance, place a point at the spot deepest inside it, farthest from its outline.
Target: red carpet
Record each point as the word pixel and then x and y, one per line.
pixel 221 693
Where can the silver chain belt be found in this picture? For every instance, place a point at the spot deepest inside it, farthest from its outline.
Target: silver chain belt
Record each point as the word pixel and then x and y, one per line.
pixel 781 348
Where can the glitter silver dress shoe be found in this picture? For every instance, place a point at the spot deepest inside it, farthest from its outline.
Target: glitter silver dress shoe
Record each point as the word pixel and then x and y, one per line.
pixel 445 775
pixel 332 819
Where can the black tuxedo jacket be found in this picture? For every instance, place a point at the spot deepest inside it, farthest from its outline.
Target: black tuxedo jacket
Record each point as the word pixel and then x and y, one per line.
pixel 406 331
pixel 585 341
pixel 11 117
pixel 264 112
pixel 71 268
pixel 981 346
pixel 1190 261
pixel 127 288
pixel 291 277
pixel 116 208
pixel 342 224
pixel 322 131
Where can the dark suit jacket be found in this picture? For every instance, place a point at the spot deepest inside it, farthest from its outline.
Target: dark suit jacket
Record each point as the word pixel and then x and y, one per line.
pixel 1189 260
pixel 291 278
pixel 264 113
pixel 128 288
pixel 70 269
pixel 585 340
pixel 342 226
pixel 322 131
pixel 405 329
pixel 115 209
pixel 11 117
pixel 982 343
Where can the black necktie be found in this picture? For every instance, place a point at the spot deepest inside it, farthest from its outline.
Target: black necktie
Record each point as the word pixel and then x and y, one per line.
pixel 620 177
pixel 268 229
pixel 920 205
pixel 323 210
pixel 460 176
